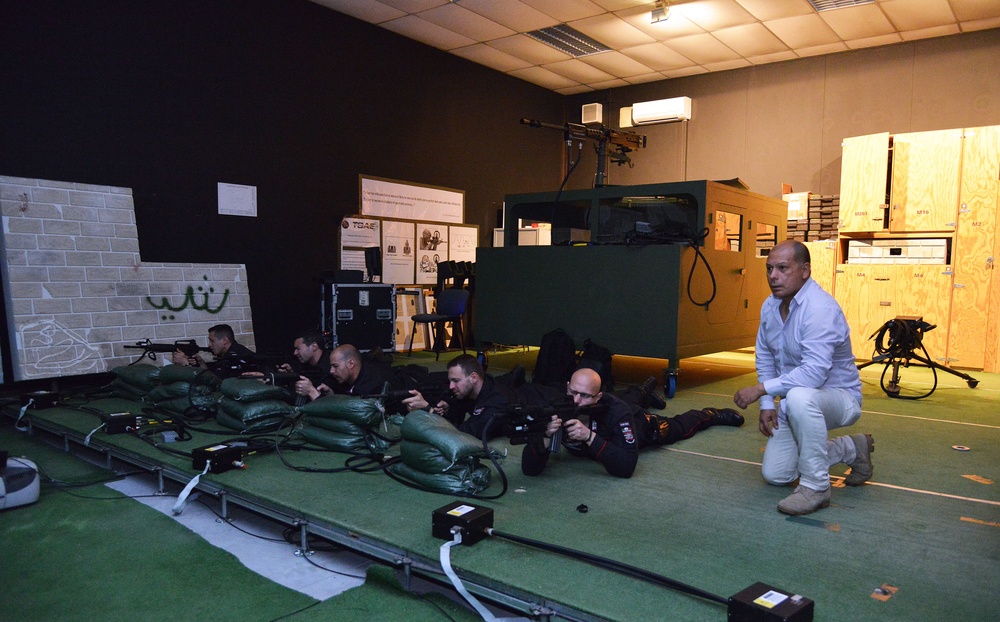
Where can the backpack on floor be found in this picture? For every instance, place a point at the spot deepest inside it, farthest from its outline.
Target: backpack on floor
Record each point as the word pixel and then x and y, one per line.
pixel 598 358
pixel 556 360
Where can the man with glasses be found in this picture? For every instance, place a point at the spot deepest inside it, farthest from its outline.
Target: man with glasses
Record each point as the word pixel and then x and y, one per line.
pixel 615 437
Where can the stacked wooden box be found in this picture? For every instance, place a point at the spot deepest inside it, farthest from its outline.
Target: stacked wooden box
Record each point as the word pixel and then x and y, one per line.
pixel 812 217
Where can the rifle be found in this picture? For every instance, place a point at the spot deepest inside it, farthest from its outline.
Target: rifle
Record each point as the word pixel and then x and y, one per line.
pixel 526 422
pixel 432 394
pixel 187 346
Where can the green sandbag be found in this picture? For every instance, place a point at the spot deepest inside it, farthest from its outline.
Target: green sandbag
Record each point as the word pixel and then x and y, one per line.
pixel 460 480
pixel 366 413
pixel 141 376
pixel 426 458
pixel 258 426
pixel 425 427
pixel 349 443
pixel 177 405
pixel 343 426
pixel 250 390
pixel 170 391
pixel 250 412
pixel 120 388
pixel 183 373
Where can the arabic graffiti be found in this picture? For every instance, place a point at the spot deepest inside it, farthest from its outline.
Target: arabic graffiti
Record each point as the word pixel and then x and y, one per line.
pixel 190 301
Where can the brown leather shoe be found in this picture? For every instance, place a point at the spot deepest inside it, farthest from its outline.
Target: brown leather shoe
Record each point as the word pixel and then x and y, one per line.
pixel 804 501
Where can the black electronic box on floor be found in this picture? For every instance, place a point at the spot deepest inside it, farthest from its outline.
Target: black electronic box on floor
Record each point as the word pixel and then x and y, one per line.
pixel 762 603
pixel 362 315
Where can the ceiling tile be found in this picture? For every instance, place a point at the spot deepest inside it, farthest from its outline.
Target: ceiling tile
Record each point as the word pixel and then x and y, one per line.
pixel 543 77
pixel 702 49
pixel 413 6
pixel 713 14
pixel 424 31
pixel 578 70
pixel 517 16
pixel 856 44
pixel 772 58
pixel 466 23
pixel 966 10
pixel 751 40
pixel 917 14
pixel 609 84
pixel 819 50
pixel 802 31
pixel 769 9
pixel 676 26
pixel 658 56
pixel 618 5
pixel 574 90
pixel 617 64
pixel 372 11
pixel 648 77
pixel 491 57
pixel 859 22
pixel 980 24
pixel 727 65
pixel 612 31
pixel 566 10
pixel 687 71
pixel 930 33
pixel 524 47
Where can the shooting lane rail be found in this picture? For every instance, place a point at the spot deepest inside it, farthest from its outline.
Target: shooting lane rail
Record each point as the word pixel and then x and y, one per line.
pixel 634 299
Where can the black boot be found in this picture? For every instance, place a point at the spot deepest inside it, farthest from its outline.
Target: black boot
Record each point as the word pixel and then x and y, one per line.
pixel 724 416
pixel 649 397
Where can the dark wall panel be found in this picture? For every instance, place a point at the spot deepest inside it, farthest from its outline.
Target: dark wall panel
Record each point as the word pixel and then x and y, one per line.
pixel 171 97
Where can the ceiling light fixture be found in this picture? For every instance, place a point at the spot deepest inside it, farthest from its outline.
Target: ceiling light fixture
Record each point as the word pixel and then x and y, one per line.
pixel 660 12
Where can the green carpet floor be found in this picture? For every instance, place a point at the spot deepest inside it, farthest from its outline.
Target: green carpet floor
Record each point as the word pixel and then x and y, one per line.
pixel 928 523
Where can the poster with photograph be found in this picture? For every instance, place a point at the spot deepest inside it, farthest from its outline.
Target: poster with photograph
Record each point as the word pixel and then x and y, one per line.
pixel 357 234
pixel 397 252
pixel 463 242
pixel 432 247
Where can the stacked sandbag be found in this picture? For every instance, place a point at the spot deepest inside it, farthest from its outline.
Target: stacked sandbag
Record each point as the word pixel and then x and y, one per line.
pixel 251 406
pixel 133 382
pixel 345 423
pixel 438 457
pixel 175 393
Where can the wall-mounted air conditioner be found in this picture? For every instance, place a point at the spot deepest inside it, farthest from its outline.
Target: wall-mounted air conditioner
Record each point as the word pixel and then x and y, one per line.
pixel 661 111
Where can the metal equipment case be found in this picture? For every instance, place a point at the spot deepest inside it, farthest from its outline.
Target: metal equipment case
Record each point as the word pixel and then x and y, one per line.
pixel 362 315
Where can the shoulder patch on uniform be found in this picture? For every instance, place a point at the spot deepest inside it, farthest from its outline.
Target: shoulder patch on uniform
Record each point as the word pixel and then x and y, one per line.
pixel 627 432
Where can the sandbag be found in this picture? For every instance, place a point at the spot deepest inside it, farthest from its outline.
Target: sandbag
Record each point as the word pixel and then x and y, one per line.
pixel 121 388
pixel 262 416
pixel 170 391
pixel 365 443
pixel 454 445
pixel 342 426
pixel 366 413
pixel 141 376
pixel 250 390
pixel 183 373
pixel 462 480
pixel 427 458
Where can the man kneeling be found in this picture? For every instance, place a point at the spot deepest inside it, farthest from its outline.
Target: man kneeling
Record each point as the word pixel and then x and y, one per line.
pixel 615 437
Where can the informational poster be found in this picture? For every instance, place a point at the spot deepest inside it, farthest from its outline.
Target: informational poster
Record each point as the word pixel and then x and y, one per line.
pixel 432 248
pixel 393 199
pixel 398 254
pixel 357 234
pixel 238 200
pixel 462 243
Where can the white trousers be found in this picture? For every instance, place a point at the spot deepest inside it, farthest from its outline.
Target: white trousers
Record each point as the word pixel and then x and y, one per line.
pixel 799 447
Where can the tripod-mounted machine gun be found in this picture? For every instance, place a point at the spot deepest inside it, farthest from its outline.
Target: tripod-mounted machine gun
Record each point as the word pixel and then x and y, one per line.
pixel 622 142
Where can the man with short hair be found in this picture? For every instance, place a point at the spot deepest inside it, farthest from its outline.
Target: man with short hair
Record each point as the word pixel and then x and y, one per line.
pixel 804 357
pixel 351 374
pixel 476 398
pixel 231 358
pixel 314 362
pixel 615 436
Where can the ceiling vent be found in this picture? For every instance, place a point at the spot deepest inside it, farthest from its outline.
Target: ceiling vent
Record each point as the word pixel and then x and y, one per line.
pixel 568 40
pixel 827 5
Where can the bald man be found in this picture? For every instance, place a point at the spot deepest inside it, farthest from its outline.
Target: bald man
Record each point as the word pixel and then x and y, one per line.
pixel 615 437
pixel 351 374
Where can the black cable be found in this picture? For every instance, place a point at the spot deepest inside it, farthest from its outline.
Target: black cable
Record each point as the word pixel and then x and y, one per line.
pixel 610 564
pixel 579 156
